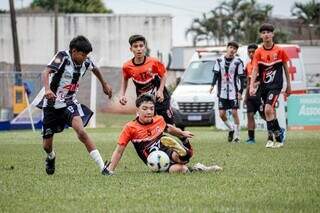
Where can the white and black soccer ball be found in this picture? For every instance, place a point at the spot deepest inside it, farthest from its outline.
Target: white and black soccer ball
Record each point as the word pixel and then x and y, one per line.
pixel 158 161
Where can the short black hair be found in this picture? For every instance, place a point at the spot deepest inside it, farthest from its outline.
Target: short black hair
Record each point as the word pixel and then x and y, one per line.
pixel 266 27
pixel 135 38
pixel 80 43
pixel 233 44
pixel 252 46
pixel 145 98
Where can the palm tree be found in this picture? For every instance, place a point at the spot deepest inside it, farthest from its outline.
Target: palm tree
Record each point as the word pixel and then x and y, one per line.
pixel 231 20
pixel 309 14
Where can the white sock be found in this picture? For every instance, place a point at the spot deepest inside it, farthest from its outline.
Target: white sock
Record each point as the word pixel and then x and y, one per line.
pixel 51 155
pixel 95 155
pixel 237 130
pixel 228 124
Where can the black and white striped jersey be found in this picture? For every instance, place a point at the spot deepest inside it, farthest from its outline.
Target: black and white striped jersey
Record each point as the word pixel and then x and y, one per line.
pixel 65 79
pixel 228 73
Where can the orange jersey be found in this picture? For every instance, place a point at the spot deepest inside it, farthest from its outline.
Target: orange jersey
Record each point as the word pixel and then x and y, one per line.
pixel 249 69
pixel 270 66
pixel 143 136
pixel 146 76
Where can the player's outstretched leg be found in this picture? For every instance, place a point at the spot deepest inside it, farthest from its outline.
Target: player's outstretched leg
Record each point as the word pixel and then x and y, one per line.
pixel 199 167
pixel 174 145
pixel 77 125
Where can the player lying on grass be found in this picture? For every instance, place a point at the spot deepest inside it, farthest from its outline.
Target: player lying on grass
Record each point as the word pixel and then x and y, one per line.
pixel 60 106
pixel 146 134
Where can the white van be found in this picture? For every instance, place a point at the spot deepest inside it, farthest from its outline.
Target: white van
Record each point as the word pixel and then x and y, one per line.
pixel 191 102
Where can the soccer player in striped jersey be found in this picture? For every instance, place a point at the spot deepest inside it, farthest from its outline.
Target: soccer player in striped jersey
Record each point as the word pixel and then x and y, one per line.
pixel 229 73
pixel 269 62
pixel 60 106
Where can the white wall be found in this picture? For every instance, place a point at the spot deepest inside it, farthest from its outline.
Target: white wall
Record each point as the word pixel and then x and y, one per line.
pixel 108 34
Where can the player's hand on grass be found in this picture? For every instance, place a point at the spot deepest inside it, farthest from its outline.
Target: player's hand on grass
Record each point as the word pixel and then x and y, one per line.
pixel 187 134
pixel 49 94
pixel 107 90
pixel 123 100
pixel 159 96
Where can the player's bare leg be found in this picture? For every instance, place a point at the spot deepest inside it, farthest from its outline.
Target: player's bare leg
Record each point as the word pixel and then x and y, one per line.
pixel 236 126
pixel 223 116
pixel 50 159
pixel 178 168
pixel 77 125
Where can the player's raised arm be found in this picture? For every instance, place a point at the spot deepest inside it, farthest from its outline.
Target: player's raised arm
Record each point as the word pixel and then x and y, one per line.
pixel 105 86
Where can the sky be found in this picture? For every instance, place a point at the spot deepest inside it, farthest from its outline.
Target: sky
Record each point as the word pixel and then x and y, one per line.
pixel 182 11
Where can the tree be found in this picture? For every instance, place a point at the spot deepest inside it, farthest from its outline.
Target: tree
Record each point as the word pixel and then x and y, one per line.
pixel 72 6
pixel 309 14
pixel 232 20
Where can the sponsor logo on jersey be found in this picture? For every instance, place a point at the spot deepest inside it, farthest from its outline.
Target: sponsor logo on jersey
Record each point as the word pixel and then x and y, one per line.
pixel 71 87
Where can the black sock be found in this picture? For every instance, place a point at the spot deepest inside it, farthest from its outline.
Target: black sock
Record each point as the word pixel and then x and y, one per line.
pixel 270 126
pixel 251 134
pixel 276 130
pixel 276 125
pixel 270 135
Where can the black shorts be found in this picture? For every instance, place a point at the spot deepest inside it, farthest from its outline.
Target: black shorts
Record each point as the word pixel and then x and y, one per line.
pixel 165 111
pixel 270 96
pixel 255 104
pixel 55 120
pixel 225 104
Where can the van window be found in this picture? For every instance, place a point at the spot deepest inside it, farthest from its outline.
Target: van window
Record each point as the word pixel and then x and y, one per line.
pixel 198 72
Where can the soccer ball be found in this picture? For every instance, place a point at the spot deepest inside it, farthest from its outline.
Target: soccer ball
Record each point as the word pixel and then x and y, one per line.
pixel 158 161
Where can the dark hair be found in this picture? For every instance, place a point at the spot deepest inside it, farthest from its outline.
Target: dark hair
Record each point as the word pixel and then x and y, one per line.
pixel 233 44
pixel 135 38
pixel 266 27
pixel 145 98
pixel 80 43
pixel 252 46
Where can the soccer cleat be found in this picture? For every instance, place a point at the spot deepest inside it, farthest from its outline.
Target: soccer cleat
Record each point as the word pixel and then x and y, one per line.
pixel 236 140
pixel 282 135
pixel 230 135
pixel 174 145
pixel 202 168
pixel 105 170
pixel 250 141
pixel 269 144
pixel 50 165
pixel 277 145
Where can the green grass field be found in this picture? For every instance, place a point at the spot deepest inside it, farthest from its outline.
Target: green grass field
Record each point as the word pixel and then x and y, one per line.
pixel 255 179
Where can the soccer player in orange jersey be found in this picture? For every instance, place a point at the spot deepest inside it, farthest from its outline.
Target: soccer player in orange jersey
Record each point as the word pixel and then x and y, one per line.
pixel 149 76
pixel 146 134
pixel 269 62
pixel 254 103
